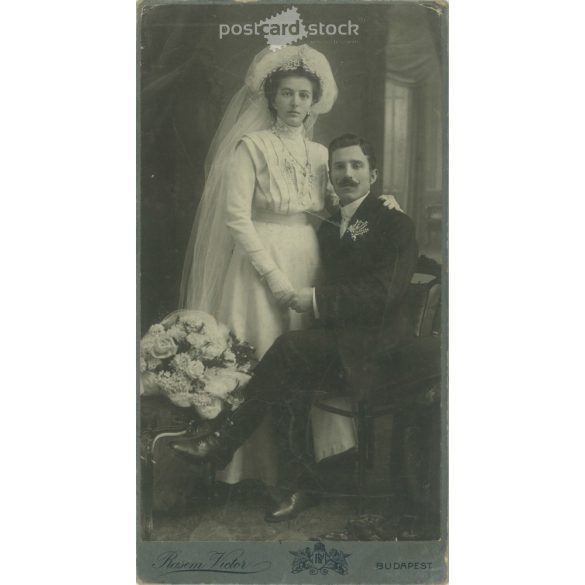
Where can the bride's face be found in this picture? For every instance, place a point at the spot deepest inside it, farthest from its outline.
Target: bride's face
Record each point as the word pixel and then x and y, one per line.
pixel 293 99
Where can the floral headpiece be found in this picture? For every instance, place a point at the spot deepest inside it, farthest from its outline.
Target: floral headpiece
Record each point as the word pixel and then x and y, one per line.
pixel 290 58
pixel 293 64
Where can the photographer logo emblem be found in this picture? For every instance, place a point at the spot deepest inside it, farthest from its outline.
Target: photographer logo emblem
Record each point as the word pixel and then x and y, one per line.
pixel 319 560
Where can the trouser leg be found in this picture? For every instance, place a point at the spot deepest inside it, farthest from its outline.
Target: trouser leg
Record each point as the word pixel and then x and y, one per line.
pixel 295 365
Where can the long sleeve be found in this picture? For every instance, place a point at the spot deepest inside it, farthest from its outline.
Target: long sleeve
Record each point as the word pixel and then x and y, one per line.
pixel 241 183
pixel 362 299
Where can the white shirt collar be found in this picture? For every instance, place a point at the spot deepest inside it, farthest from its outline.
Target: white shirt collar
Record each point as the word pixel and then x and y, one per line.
pixel 348 211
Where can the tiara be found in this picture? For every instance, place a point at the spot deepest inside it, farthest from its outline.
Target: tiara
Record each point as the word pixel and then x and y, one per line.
pixel 290 58
pixel 294 64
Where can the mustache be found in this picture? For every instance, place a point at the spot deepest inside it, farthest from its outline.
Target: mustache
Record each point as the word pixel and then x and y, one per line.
pixel 348 182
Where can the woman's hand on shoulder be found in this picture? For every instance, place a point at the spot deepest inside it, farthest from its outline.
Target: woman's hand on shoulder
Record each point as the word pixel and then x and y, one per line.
pixel 388 200
pixel 331 202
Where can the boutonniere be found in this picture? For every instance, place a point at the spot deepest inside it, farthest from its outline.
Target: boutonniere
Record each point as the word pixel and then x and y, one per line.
pixel 358 229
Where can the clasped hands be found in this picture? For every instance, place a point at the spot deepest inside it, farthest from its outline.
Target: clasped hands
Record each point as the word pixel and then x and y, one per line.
pixel 300 301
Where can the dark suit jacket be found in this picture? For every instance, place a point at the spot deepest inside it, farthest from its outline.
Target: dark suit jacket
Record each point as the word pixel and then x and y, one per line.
pixel 366 276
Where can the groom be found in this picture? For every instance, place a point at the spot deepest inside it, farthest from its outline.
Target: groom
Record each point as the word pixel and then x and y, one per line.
pixel 369 254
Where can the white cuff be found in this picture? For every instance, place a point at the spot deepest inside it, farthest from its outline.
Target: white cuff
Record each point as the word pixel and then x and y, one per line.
pixel 315 310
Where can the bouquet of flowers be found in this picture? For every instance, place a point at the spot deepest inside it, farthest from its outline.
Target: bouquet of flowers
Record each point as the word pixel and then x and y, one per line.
pixel 195 361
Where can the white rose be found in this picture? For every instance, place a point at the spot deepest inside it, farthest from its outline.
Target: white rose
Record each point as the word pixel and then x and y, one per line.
pixel 221 382
pixel 218 383
pixel 229 357
pixel 163 347
pixel 196 340
pixel 177 333
pixel 211 410
pixel 220 342
pixel 192 324
pixel 199 320
pixel 212 350
pixel 157 329
pixel 195 369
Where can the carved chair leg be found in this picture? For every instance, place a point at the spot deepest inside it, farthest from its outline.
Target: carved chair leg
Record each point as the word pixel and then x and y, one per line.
pixel 147 489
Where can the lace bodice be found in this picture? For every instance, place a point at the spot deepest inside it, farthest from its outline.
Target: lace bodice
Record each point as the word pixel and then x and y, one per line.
pixel 274 173
pixel 265 176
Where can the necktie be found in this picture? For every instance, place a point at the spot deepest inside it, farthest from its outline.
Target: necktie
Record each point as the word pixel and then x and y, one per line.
pixel 344 223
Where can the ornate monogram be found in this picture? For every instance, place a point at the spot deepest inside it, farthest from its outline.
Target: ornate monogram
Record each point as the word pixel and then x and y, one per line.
pixel 320 560
pixel 358 229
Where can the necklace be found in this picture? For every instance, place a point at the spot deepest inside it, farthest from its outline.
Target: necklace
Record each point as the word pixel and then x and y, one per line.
pixel 303 167
pixel 284 129
pixel 297 173
pixel 293 167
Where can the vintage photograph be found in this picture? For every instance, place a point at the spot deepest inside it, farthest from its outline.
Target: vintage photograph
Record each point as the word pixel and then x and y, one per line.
pixel 292 227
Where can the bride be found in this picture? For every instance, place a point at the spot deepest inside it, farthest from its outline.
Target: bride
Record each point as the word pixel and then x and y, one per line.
pixel 254 240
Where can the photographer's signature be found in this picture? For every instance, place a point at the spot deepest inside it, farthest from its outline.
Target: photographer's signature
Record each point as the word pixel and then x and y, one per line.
pixel 233 561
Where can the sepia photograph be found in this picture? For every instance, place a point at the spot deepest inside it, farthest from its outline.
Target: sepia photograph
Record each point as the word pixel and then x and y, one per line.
pixel 286 292
pixel 292 292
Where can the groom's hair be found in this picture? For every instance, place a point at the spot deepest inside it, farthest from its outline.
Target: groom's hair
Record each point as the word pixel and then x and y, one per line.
pixel 353 140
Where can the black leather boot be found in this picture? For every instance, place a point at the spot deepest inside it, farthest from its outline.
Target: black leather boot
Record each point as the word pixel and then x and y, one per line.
pixel 219 446
pixel 208 449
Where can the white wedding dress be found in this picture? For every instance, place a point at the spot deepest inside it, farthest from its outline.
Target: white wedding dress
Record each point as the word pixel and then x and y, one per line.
pixel 273 208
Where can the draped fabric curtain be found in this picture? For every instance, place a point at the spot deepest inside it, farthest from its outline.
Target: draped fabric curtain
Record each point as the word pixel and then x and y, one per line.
pixel 412 57
pixel 413 110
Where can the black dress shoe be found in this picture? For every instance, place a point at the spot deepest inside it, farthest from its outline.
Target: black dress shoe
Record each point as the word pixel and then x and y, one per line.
pixel 210 449
pixel 415 528
pixel 366 528
pixel 292 506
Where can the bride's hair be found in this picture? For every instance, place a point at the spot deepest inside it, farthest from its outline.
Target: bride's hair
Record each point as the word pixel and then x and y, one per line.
pixel 272 82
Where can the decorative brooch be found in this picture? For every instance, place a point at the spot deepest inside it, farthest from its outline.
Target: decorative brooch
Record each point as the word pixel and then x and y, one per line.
pixel 358 229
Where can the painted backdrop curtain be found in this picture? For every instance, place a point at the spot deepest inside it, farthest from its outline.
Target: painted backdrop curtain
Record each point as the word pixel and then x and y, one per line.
pixel 413 110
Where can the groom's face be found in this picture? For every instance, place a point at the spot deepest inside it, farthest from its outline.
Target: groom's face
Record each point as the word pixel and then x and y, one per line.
pixel 350 173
